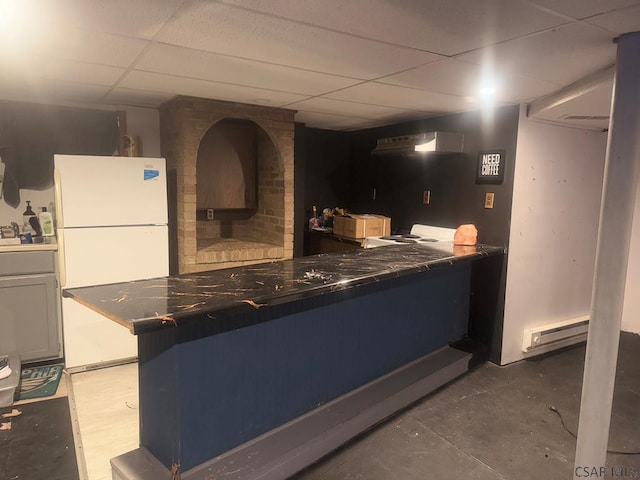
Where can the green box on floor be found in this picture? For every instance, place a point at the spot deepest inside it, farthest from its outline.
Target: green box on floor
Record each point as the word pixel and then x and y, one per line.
pixel 37 382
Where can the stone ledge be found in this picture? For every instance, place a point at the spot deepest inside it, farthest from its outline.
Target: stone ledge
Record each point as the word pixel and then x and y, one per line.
pixel 232 250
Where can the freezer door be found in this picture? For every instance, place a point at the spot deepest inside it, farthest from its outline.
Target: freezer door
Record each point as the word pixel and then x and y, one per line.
pixel 95 256
pixel 91 339
pixel 107 191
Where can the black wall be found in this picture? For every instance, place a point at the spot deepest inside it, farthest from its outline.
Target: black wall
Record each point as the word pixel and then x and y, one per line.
pixel 30 135
pixel 455 197
pixel 321 169
pixel 337 169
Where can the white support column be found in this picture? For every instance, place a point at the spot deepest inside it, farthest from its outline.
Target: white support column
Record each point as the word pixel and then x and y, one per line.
pixel 622 169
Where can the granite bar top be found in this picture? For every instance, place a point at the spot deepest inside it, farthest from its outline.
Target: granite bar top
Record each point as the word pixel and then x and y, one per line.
pixel 169 302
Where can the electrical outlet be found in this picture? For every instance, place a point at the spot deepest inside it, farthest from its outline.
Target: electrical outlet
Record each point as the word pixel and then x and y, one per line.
pixel 426 197
pixel 209 213
pixel 488 199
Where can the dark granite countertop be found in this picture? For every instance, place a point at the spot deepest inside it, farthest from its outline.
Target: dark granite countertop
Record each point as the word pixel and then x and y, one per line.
pixel 167 302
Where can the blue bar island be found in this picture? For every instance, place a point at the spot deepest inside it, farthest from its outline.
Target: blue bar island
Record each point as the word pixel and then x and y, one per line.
pixel 256 372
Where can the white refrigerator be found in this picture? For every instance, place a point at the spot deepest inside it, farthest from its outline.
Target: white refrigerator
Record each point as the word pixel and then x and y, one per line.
pixel 111 226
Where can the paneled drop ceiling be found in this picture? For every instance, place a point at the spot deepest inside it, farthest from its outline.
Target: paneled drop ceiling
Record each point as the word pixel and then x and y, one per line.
pixel 341 64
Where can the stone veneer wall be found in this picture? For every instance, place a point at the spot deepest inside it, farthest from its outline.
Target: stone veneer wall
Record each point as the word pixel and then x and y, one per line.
pixel 267 225
pixel 183 123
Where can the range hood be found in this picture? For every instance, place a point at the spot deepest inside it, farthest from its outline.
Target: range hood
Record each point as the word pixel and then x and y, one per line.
pixel 420 143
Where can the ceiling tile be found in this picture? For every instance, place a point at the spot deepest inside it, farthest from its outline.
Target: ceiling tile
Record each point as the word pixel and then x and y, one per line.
pixel 465 79
pixel 156 82
pixel 333 122
pixel 223 29
pixel 128 96
pixel 400 97
pixel 584 8
pixel 88 46
pixel 559 56
pixel 29 67
pixel 285 52
pixel 442 26
pixel 75 91
pixel 185 62
pixel 77 71
pixel 140 19
pixel 362 110
pixel 620 21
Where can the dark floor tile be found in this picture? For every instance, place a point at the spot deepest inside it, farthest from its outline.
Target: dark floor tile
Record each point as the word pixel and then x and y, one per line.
pixel 509 429
pixel 498 418
pixel 624 432
pixel 552 377
pixel 404 449
pixel 481 379
pixel 629 344
pixel 628 368
pixel 40 443
pixel 340 455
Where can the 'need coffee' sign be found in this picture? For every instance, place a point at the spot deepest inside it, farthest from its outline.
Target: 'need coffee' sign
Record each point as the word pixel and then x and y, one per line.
pixel 490 167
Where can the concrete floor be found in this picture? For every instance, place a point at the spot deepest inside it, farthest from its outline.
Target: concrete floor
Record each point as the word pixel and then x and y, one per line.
pixel 495 423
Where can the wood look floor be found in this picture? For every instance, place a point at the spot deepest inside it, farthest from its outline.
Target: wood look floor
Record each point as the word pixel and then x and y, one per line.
pixel 104 406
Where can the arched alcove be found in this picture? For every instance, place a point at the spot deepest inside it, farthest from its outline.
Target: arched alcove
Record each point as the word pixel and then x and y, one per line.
pixel 227 166
pixel 252 222
pixel 240 193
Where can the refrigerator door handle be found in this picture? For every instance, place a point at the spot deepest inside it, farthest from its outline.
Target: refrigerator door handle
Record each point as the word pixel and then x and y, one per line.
pixel 57 181
pixel 62 264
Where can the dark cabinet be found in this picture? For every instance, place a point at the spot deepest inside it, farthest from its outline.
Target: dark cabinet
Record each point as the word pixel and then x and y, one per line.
pixel 318 242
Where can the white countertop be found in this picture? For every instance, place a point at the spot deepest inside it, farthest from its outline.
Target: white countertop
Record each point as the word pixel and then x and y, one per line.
pixel 31 247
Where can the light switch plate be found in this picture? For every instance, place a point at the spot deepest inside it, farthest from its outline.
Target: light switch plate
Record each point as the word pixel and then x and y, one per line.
pixel 488 199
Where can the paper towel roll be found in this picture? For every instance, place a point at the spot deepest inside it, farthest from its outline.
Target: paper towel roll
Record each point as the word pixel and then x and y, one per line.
pixel 131 146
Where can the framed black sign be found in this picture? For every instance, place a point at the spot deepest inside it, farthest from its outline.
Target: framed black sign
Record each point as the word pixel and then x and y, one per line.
pixel 491 165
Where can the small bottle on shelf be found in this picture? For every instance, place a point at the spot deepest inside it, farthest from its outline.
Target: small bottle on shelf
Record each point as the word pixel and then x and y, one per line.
pixel 27 222
pixel 314 221
pixel 46 223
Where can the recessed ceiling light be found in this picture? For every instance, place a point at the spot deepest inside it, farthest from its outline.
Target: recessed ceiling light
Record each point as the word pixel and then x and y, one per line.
pixel 26 25
pixel 9 14
pixel 487 91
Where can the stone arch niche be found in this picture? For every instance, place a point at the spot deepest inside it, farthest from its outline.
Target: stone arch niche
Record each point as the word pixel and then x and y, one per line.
pixel 232 165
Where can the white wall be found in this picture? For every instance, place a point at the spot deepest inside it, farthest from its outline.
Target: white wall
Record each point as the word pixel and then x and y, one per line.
pixel 554 222
pixel 631 310
pixel 141 122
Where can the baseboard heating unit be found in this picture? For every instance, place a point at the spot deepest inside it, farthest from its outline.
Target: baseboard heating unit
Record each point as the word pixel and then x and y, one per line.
pixel 555 335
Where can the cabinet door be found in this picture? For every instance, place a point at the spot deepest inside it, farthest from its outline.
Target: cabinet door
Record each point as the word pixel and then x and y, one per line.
pixel 28 316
